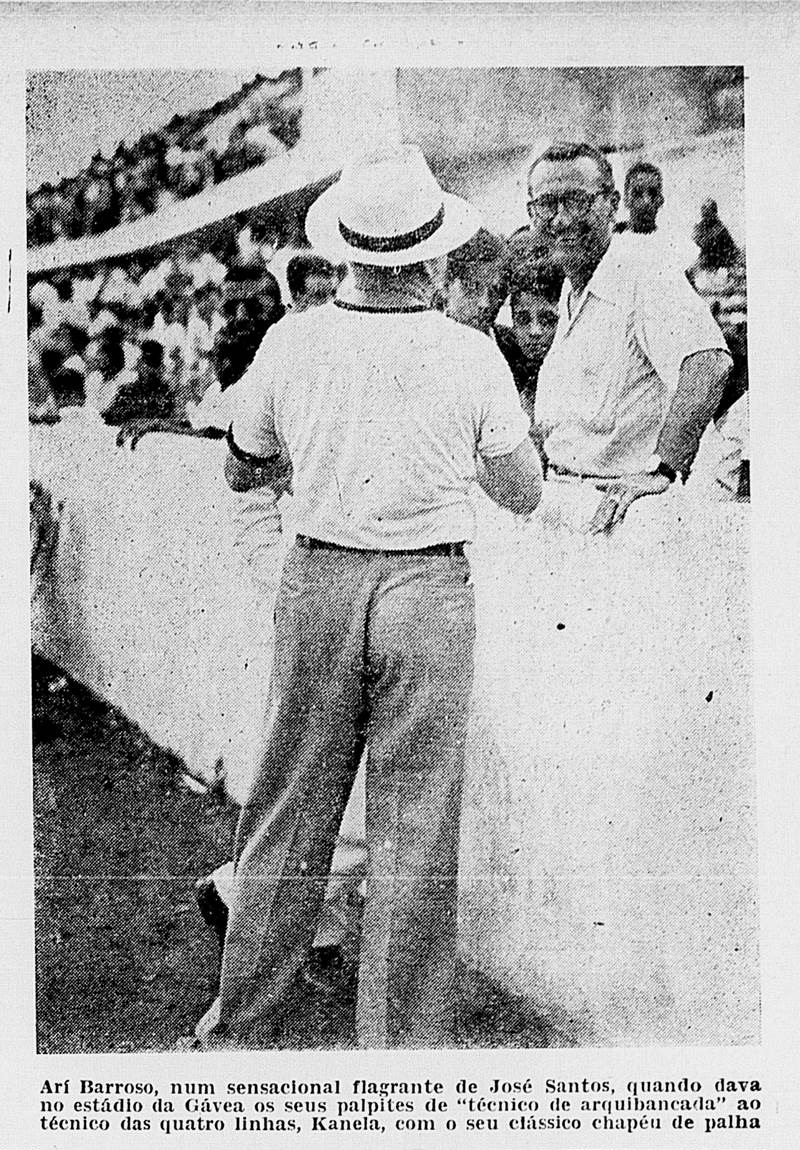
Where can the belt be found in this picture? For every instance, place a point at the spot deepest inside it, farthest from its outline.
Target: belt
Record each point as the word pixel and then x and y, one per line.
pixel 451 549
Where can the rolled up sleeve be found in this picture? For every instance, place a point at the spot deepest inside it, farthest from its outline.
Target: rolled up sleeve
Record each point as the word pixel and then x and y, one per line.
pixel 673 322
pixel 502 424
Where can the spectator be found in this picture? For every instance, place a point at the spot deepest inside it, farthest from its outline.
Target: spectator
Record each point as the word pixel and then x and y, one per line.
pixel 147 395
pixel 36 335
pixel 86 285
pixel 640 235
pixel 124 333
pixel 255 125
pixel 40 217
pixel 76 340
pixel 312 281
pixel 101 318
pixel 717 248
pixel 42 403
pixel 154 280
pixel 719 276
pixel 107 374
pixel 251 306
pixel 260 143
pixel 119 289
pixel 99 203
pixel 200 342
pixel 475 281
pixel 208 306
pixel 46 299
pixel 535 289
pixel 64 384
pixel 205 269
pixel 189 169
pixel 643 197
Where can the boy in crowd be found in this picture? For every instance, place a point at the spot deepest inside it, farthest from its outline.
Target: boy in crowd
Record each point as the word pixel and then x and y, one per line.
pixel 643 197
pixel 475 281
pixel 535 288
pixel 312 281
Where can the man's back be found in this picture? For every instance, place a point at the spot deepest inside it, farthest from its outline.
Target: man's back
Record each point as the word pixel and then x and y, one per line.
pixel 382 414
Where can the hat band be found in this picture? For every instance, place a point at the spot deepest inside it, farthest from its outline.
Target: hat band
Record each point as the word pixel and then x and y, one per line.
pixel 397 243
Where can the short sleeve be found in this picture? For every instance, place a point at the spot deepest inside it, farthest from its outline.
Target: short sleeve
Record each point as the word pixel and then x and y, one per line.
pixel 502 425
pixel 673 322
pixel 253 403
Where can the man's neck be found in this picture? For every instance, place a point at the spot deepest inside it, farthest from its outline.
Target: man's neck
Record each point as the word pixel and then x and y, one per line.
pixel 387 288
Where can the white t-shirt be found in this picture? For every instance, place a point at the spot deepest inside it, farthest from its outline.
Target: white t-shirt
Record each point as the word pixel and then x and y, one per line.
pixel 382 414
pixel 605 387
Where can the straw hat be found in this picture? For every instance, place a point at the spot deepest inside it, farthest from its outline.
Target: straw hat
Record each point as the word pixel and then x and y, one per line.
pixel 389 211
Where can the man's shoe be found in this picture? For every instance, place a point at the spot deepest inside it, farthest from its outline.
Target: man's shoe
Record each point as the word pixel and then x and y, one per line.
pixel 212 907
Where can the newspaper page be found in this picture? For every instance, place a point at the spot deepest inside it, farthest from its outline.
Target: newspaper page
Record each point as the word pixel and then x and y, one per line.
pixel 399 674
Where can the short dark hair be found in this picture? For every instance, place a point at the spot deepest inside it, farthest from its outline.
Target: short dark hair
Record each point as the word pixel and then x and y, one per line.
pixel 539 277
pixel 51 360
pixel 152 353
pixel 79 337
pixel 301 266
pixel 113 334
pixel 483 248
pixel 115 356
pixel 565 151
pixel 642 168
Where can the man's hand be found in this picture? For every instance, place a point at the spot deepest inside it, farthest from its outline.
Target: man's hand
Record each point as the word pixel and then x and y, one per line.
pixel 620 494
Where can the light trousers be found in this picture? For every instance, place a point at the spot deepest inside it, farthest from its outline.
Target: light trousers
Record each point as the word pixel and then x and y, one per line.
pixel 375 650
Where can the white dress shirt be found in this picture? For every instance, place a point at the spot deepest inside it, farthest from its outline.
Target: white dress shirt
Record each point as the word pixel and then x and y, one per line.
pixel 607 383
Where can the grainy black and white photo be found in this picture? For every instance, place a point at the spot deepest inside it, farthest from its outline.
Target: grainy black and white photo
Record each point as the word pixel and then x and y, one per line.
pixel 390 521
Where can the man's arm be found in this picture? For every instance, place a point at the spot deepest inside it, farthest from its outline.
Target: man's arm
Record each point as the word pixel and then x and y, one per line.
pixel 132 432
pixel 513 481
pixel 700 384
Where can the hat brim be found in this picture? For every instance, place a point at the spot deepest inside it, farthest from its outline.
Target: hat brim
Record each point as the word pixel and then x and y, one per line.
pixel 461 222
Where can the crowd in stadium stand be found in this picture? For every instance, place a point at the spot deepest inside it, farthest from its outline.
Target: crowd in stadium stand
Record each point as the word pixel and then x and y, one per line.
pixel 192 152
pixel 148 335
pixel 158 335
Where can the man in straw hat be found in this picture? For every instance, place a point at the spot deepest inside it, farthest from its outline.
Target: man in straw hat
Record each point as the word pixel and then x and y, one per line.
pixel 384 410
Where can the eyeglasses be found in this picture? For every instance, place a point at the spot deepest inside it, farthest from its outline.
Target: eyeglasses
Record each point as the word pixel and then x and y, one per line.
pixel 575 204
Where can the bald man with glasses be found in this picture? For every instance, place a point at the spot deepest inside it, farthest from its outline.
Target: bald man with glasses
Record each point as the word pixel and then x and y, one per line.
pixel 638 365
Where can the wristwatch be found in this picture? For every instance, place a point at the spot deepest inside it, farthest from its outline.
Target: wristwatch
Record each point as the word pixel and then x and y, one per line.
pixel 659 467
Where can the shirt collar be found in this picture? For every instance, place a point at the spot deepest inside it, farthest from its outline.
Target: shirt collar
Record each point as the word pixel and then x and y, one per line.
pixel 605 284
pixel 387 299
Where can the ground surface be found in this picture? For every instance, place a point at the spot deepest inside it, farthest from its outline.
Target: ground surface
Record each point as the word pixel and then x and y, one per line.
pixel 124 961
